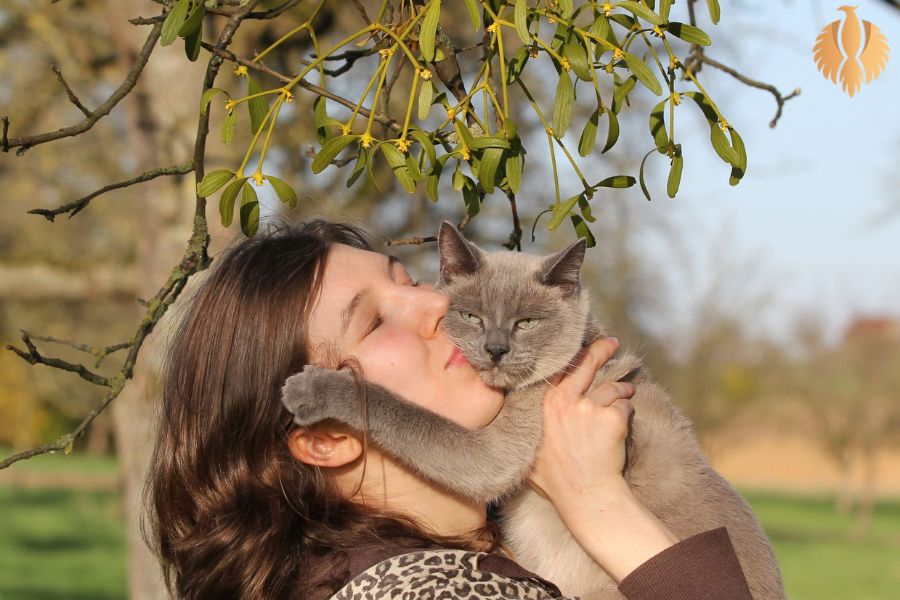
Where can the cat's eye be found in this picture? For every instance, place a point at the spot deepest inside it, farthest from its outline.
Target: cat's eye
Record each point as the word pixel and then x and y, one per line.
pixel 470 318
pixel 527 323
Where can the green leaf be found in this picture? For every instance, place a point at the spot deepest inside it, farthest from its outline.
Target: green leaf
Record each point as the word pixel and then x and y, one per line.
pixel 561 211
pixel 520 18
pixel 412 165
pixel 585 207
pixel 664 6
pixel 258 107
pixel 194 20
pixel 358 168
pixel 513 168
pixel 639 10
pixel 426 142
pixel 466 134
pixel 192 45
pixel 602 29
pixel 675 173
pixel 471 197
pixel 703 102
pixel 398 164
pixel 207 97
pixel 249 210
pixel 721 146
pixel 612 135
pixel 641 176
pixel 562 106
pixel 214 180
pixel 331 149
pixel 458 178
pixel 226 201
pixel 589 134
pixel 565 8
pixel 426 95
pixel 432 181
pixel 658 127
pixel 474 8
pixel 488 141
pixel 227 132
pixel 516 64
pixel 173 22
pixel 643 73
pixel 622 91
pixel 284 191
pixel 320 118
pixel 616 181
pixel 487 169
pixel 714 10
pixel 583 231
pixel 689 33
pixel 575 52
pixel 738 170
pixel 428 30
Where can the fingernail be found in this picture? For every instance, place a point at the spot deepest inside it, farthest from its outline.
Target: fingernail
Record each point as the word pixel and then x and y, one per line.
pixel 614 340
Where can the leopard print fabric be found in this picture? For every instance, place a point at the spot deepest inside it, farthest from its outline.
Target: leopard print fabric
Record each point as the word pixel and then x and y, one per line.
pixel 441 575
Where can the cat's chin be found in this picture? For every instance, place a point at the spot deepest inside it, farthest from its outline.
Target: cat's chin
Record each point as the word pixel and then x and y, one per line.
pixel 500 378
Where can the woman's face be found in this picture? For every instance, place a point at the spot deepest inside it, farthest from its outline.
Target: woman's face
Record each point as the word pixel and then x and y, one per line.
pixel 371 309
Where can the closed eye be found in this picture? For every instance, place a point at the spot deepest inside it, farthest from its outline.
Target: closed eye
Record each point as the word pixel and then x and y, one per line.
pixel 376 323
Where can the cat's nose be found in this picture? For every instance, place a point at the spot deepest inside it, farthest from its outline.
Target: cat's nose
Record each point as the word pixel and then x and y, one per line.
pixel 496 351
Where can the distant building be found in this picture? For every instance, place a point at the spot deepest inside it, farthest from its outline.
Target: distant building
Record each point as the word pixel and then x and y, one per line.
pixel 872 328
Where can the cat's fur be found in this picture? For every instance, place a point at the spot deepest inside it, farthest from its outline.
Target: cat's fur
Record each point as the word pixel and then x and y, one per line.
pixel 665 469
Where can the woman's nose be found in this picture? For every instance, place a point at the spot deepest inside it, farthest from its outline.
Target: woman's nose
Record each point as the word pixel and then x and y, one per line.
pixel 427 308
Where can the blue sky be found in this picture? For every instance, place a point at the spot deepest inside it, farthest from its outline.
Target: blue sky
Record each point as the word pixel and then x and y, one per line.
pixel 813 212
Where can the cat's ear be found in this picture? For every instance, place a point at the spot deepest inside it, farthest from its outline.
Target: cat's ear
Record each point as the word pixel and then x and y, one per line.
pixel 458 256
pixel 563 269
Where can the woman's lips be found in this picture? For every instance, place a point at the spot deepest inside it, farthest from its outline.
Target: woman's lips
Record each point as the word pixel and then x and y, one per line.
pixel 456 358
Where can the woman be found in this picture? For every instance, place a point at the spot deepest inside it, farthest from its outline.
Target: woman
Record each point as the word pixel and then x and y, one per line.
pixel 245 505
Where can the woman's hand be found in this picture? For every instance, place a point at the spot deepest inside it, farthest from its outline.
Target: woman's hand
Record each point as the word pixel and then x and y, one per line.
pixel 579 467
pixel 583 445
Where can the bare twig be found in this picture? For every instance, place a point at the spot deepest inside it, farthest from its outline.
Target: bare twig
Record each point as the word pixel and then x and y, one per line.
pixel 98 352
pixel 72 97
pixel 73 208
pixel 26 142
pixel 362 12
pixel 779 99
pixel 32 356
pixel 515 237
pixel 147 20
pixel 411 241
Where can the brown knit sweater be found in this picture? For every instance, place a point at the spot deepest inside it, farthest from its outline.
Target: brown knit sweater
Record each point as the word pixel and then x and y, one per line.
pixel 702 567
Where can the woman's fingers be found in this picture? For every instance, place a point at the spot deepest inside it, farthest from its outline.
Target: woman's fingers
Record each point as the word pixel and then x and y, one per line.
pixel 580 379
pixel 608 393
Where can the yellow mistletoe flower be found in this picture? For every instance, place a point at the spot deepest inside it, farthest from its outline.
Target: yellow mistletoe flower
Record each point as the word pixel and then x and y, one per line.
pixel 425 74
pixel 464 152
pixel 403 145
pixel 451 113
pixel 288 96
pixel 366 140
pixel 657 31
pixel 258 178
pixel 240 70
pixel 607 7
pixel 676 98
pixel 723 124
pixel 565 64
pixel 618 54
pixel 492 27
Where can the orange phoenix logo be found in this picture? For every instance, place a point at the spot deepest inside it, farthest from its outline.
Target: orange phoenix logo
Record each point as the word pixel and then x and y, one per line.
pixel 845 60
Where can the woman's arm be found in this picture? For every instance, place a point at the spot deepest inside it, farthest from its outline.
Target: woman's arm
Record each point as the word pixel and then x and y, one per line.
pixel 579 469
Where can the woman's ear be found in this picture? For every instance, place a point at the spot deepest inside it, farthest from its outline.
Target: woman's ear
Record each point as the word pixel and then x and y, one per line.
pixel 325 445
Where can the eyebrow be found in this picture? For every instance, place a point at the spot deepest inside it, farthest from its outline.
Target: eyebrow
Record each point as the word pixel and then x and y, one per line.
pixel 350 310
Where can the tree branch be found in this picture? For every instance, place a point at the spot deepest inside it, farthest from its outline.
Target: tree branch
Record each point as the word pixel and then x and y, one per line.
pixel 72 97
pixel 779 99
pixel 411 241
pixel 515 238
pixel 75 207
pixel 33 357
pixel 26 142
pixel 98 352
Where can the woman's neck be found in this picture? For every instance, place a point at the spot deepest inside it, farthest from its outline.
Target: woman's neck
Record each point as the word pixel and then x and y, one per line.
pixel 386 484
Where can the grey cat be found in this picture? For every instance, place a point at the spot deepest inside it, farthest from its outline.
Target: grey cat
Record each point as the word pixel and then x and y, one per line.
pixel 519 319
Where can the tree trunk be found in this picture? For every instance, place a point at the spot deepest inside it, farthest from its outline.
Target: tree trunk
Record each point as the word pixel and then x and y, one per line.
pixel 867 495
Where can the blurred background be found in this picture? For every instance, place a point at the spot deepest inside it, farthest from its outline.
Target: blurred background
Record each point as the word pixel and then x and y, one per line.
pixel 769 309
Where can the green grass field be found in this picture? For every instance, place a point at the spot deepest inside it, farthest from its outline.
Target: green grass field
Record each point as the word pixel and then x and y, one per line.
pixel 70 544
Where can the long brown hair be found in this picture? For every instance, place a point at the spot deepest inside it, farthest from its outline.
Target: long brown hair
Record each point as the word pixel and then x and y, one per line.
pixel 231 513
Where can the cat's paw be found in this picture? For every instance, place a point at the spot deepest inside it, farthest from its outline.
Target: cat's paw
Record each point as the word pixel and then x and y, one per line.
pixel 314 394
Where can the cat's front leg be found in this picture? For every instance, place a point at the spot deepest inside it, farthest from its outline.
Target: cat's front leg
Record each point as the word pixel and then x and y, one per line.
pixel 316 394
